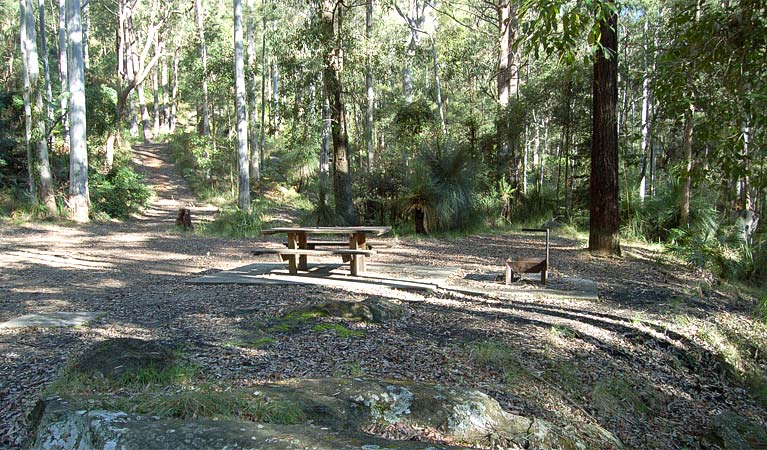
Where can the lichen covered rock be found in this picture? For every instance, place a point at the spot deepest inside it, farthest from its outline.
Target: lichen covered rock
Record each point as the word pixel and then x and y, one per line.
pixel 62 428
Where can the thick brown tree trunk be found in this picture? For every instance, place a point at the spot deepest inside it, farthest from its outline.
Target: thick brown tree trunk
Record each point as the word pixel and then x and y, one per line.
pixel 342 180
pixel 604 220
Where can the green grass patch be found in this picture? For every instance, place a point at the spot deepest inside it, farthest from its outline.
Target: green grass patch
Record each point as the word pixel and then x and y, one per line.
pixel 208 403
pixel 73 381
pixel 293 321
pixel 618 396
pixel 562 332
pixel 340 330
pixel 499 357
pixel 567 374
pixel 351 369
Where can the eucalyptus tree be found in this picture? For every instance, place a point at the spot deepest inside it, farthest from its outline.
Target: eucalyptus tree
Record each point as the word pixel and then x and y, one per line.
pixel 204 108
pixel 559 27
pixel 369 90
pixel 255 167
pixel 38 161
pixel 330 33
pixel 243 199
pixel 78 200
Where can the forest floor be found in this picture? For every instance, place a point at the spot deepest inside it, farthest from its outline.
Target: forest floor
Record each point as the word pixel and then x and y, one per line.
pixel 661 353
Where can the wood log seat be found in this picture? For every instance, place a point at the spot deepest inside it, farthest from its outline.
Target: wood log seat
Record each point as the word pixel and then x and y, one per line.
pixel 529 265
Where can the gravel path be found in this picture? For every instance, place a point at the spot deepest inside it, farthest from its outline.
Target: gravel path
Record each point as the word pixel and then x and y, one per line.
pixel 135 273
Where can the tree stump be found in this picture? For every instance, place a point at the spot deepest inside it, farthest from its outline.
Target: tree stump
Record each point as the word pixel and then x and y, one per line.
pixel 184 219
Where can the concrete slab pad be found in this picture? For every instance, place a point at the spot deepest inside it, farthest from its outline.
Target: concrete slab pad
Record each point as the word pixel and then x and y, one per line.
pixel 416 278
pixel 559 288
pixel 56 319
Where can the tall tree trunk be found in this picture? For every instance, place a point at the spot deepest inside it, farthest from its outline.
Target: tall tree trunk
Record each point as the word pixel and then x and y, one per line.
pixel 504 75
pixel 524 162
pixel 255 172
pixel 604 220
pixel 684 210
pixel 174 92
pixel 745 181
pixel 155 100
pixel 275 98
pixel 645 117
pixel 325 150
pixel 133 114
pixel 86 24
pixel 42 166
pixel 263 91
pixel 25 69
pixel 243 176
pixel 63 69
pixel 370 110
pixel 78 200
pixel 342 180
pixel 165 103
pixel 507 80
pixel 204 127
pixel 544 150
pixel 437 86
pixel 46 67
pixel 415 19
pixel 145 124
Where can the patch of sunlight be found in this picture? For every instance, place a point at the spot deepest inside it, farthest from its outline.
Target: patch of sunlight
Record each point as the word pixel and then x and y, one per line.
pixel 50 259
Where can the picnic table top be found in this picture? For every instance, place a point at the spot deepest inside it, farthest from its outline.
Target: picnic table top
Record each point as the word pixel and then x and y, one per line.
pixel 378 231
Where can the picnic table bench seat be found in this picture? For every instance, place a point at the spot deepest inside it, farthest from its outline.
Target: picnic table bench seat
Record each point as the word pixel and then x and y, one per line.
pixel 300 248
pixel 347 255
pixel 314 244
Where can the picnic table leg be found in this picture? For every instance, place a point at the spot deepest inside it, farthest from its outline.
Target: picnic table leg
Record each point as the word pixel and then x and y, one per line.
pixel 362 264
pixel 292 244
pixel 354 266
pixel 302 265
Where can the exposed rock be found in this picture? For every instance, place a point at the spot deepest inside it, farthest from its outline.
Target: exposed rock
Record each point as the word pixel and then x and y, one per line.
pixel 336 412
pixel 116 358
pixel 456 414
pixel 374 309
pixel 64 428
pixel 733 432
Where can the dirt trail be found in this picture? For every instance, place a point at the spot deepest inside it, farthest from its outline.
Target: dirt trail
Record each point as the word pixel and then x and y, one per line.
pixel 171 192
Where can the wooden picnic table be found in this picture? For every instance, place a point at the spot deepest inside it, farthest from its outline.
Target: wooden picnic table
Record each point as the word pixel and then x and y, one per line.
pixel 299 247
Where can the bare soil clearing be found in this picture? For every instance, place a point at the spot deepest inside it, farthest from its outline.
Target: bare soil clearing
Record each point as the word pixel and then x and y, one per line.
pixel 636 361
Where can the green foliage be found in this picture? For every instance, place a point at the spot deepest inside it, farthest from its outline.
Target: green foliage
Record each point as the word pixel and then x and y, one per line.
pixel 73 381
pixel 323 213
pixel 231 221
pixel 412 118
pixel 206 164
pixel 119 193
pixel 339 329
pixel 441 187
pixel 100 109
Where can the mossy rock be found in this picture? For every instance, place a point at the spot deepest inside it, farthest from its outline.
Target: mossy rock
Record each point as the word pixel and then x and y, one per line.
pixel 730 431
pixel 118 358
pixel 374 310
